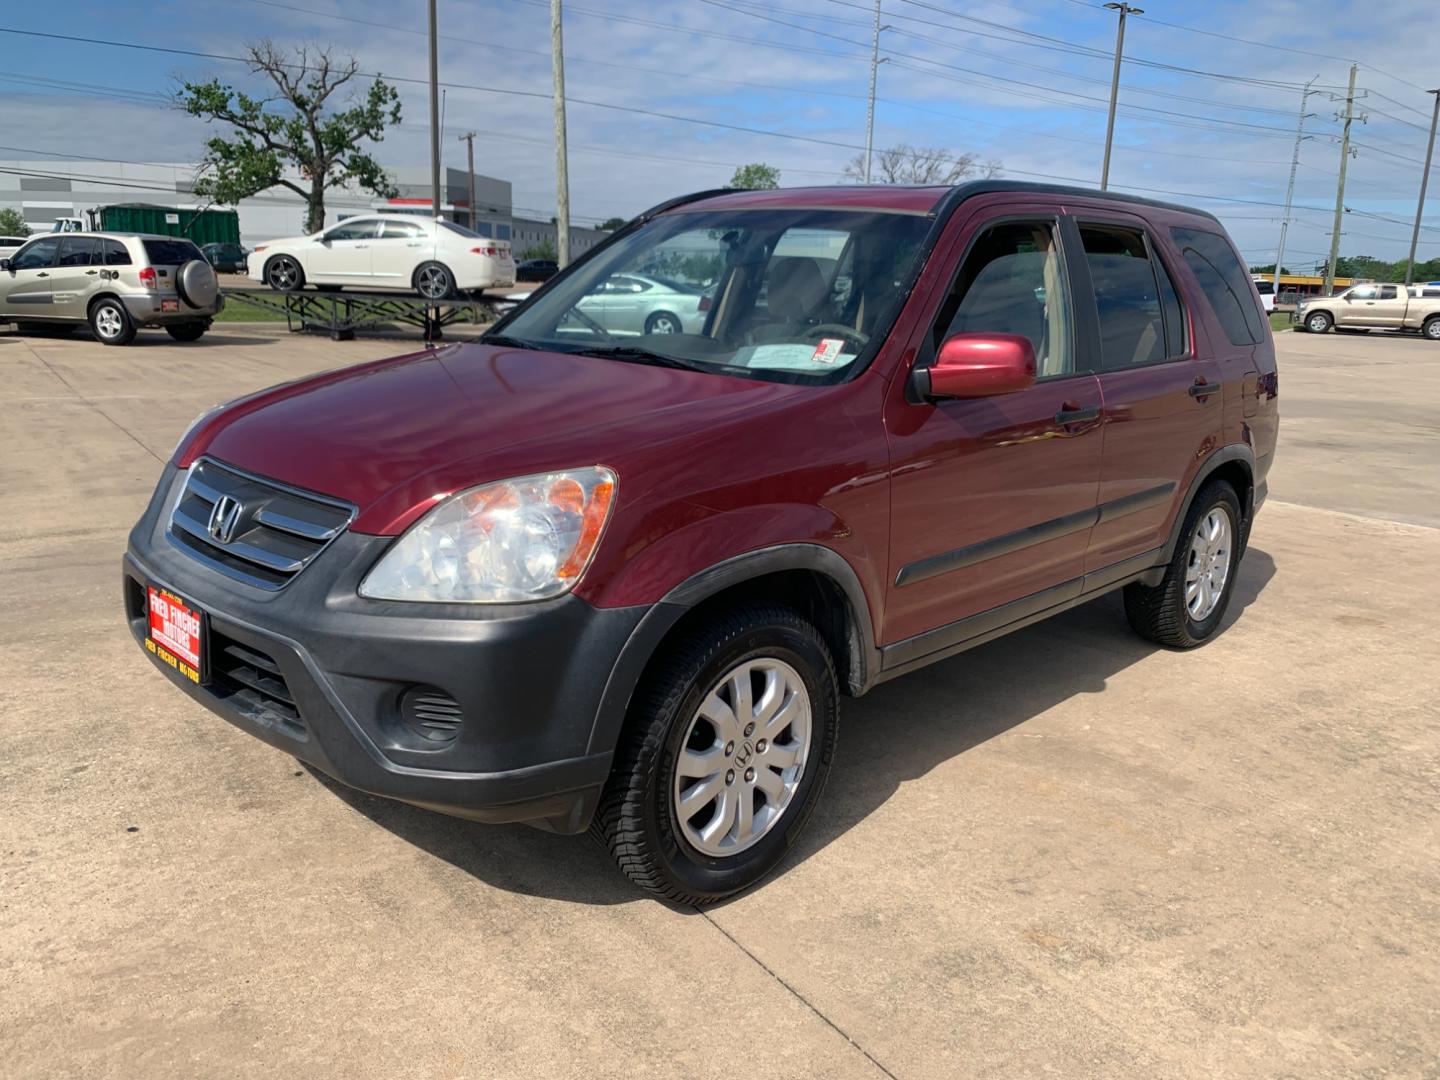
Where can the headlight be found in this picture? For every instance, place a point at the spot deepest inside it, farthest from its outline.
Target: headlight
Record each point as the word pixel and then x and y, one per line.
pixel 524 539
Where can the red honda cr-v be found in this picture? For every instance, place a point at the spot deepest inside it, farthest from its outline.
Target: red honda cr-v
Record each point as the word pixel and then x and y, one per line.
pixel 608 570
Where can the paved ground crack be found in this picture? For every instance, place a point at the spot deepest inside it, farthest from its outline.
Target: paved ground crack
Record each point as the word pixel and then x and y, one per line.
pixel 798 996
pixel 119 426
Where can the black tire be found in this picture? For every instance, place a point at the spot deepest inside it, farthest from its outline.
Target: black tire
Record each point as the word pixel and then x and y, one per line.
pixel 1160 614
pixel 636 820
pixel 1431 329
pixel 284 274
pixel 190 331
pixel 110 322
pixel 433 281
pixel 1319 322
pixel 671 323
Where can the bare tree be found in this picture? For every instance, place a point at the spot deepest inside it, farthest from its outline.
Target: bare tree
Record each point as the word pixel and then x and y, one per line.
pixel 299 127
pixel 906 164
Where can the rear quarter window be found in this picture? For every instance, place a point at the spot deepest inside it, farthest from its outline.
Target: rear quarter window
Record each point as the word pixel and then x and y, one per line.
pixel 170 252
pixel 1225 283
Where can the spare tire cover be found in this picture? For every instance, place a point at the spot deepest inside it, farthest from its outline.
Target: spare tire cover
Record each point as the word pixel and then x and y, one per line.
pixel 195 282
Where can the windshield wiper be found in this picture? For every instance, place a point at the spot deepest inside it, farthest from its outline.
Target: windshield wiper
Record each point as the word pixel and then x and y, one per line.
pixel 509 342
pixel 636 355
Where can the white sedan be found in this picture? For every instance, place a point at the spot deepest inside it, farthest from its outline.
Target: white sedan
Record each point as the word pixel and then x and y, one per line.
pixel 436 259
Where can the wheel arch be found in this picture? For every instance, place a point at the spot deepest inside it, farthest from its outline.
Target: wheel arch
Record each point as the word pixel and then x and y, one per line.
pixel 814 579
pixel 105 294
pixel 1234 464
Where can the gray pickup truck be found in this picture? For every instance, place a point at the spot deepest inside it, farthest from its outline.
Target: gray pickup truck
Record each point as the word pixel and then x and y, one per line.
pixel 1373 307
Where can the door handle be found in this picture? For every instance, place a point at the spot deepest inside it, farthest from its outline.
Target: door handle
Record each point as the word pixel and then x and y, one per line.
pixel 1203 389
pixel 1077 415
pixel 91 273
pixel 42 273
pixel 359 246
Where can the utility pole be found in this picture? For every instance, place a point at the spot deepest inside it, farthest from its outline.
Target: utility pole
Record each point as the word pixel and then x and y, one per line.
pixel 1329 286
pixel 1290 191
pixel 469 139
pixel 1424 183
pixel 1124 10
pixel 562 160
pixel 434 114
pixel 875 63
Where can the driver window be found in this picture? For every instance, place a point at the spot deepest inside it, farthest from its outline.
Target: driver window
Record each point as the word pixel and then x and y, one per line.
pixel 1364 292
pixel 1013 282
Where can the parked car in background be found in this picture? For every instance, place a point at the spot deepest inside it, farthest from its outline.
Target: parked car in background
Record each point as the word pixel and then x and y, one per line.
pixel 621 584
pixel 1266 288
pixel 436 259
pixel 536 270
pixel 116 283
pixel 1371 307
pixel 641 304
pixel 227 258
pixel 9 243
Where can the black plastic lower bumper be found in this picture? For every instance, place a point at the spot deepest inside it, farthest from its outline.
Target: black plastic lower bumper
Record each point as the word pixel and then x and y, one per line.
pixel 316 670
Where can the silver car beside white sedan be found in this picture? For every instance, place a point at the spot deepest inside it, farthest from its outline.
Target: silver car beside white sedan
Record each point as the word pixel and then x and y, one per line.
pixel 436 259
pixel 641 304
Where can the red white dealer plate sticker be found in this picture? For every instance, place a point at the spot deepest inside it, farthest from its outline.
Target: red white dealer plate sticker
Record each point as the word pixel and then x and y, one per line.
pixel 175 632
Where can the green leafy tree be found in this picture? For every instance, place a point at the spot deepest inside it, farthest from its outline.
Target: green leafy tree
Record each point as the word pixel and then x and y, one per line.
pixel 611 224
pixel 12 223
pixel 545 249
pixel 304 126
pixel 756 177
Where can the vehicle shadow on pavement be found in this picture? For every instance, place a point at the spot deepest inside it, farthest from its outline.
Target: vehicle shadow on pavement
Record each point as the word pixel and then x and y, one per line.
pixel 897 733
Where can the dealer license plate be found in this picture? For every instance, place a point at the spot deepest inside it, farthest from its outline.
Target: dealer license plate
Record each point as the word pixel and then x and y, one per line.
pixel 177 633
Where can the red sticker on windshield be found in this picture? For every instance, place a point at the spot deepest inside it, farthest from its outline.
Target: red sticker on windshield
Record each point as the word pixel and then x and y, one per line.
pixel 828 351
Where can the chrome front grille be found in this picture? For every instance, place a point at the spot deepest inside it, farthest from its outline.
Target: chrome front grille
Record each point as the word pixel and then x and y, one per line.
pixel 252 529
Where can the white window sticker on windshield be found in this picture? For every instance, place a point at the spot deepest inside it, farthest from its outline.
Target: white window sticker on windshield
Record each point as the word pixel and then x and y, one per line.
pixel 828 351
pixel 788 357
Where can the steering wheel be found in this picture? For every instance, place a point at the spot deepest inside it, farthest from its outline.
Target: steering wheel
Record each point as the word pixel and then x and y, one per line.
pixel 836 330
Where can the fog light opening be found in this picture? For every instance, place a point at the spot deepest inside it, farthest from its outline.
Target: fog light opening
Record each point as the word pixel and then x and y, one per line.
pixel 432 714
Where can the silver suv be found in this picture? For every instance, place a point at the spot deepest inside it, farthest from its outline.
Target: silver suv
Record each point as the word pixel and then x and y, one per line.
pixel 116 282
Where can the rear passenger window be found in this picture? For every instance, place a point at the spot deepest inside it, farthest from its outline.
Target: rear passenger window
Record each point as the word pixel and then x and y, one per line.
pixel 1013 282
pixel 78 251
pixel 114 253
pixel 1224 282
pixel 1389 292
pixel 1141 321
pixel 170 252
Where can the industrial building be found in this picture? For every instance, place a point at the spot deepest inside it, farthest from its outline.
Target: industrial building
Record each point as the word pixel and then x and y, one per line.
pixel 46 190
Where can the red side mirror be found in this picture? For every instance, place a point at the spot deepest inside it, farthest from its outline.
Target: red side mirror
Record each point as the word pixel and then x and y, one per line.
pixel 979 365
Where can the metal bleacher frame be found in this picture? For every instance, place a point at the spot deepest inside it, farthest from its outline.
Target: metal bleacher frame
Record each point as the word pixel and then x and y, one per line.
pixel 340 314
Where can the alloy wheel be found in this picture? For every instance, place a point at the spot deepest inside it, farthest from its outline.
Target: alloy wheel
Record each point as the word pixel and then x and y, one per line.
pixel 1208 567
pixel 742 757
pixel 283 274
pixel 108 323
pixel 1319 324
pixel 433 283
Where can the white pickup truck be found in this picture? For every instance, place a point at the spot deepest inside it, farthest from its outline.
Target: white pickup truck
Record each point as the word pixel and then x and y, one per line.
pixel 1373 307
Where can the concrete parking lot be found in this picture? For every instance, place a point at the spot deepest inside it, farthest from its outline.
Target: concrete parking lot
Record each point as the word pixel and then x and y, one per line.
pixel 1066 853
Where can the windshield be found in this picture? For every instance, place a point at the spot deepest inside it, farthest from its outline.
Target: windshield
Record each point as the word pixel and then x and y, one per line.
pixel 789 295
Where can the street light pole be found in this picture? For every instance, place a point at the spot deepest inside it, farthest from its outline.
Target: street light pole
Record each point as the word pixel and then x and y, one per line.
pixel 1424 183
pixel 1290 191
pixel 469 139
pixel 434 116
pixel 1124 10
pixel 562 156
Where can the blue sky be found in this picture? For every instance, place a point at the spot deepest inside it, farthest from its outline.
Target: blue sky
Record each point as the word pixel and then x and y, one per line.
pixel 1206 118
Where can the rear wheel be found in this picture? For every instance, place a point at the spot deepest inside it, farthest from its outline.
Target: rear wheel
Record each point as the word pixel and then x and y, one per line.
pixel 190 331
pixel 283 274
pixel 434 281
pixel 1431 329
pixel 662 322
pixel 111 323
pixel 1318 323
pixel 725 752
pixel 1185 609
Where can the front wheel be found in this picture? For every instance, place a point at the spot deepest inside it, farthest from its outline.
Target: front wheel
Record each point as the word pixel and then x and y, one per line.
pixel 1185 609
pixel 662 322
pixel 724 756
pixel 1319 323
pixel 1431 329
pixel 283 274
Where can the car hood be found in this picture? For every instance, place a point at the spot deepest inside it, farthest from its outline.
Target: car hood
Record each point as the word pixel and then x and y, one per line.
pixel 396 436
